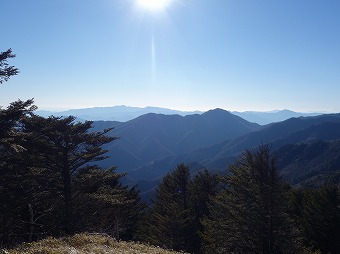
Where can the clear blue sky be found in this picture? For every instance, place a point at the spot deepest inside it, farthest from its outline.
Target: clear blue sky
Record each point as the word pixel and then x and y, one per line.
pixel 194 54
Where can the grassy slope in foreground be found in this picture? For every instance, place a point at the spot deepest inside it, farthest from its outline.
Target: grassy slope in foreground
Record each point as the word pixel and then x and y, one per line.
pixel 85 243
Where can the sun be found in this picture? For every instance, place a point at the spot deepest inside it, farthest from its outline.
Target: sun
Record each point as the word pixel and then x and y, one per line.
pixel 153 4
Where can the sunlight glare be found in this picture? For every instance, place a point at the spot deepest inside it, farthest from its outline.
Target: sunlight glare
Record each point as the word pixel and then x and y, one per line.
pixel 153 4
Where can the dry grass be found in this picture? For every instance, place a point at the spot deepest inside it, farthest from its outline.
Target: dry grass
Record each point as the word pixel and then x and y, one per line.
pixel 85 244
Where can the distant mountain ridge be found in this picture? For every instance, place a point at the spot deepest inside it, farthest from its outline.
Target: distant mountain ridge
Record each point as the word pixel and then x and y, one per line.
pixel 271 116
pixel 125 113
pixel 120 113
pixel 302 130
pixel 152 137
pixel 291 131
pixel 152 144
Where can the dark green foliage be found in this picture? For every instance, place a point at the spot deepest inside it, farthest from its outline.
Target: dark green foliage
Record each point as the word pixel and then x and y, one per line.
pixel 169 217
pixel 50 183
pixel 202 187
pixel 109 207
pixel 174 220
pixel 10 122
pixel 90 198
pixel 13 173
pixel 250 214
pixel 63 150
pixel 317 214
pixel 6 71
pixel 312 164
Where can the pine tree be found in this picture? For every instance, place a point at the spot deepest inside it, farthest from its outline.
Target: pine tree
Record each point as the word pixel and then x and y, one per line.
pixel 181 202
pixel 12 185
pixel 63 150
pixel 202 188
pixel 50 183
pixel 250 214
pixel 317 214
pixel 6 71
pixel 107 206
pixel 169 217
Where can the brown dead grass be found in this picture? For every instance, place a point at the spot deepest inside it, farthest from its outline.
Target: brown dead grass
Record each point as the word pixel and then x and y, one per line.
pixel 85 244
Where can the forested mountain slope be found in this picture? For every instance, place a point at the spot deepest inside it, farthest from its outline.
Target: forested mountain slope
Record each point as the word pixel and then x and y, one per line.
pixel 303 130
pixel 153 137
pixel 293 130
pixel 311 164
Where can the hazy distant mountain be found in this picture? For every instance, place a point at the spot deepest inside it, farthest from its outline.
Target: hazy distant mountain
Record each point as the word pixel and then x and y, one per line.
pixel 115 113
pixel 291 131
pixel 303 130
pixel 125 113
pixel 153 137
pixel 152 144
pixel 270 116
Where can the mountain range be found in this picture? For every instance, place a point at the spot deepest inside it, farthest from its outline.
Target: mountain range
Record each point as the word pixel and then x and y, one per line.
pixel 120 113
pixel 125 113
pixel 267 117
pixel 152 144
pixel 152 137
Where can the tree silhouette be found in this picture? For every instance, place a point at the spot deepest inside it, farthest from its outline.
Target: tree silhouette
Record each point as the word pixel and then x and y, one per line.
pixel 169 218
pixel 203 187
pixel 181 202
pixel 13 191
pixel 65 151
pixel 317 214
pixel 250 214
pixel 6 71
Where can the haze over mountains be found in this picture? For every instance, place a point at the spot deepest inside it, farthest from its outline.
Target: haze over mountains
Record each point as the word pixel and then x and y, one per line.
pixel 126 113
pixel 270 116
pixel 116 113
pixel 152 136
pixel 152 141
pixel 152 144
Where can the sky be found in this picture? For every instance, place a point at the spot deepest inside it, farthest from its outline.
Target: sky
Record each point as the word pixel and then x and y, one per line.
pixel 242 55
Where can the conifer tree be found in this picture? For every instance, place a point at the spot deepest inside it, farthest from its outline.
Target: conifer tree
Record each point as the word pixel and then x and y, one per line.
pixel 181 202
pixel 13 191
pixel 108 206
pixel 202 188
pixel 65 150
pixel 49 180
pixel 317 214
pixel 50 183
pixel 169 217
pixel 250 214
pixel 6 71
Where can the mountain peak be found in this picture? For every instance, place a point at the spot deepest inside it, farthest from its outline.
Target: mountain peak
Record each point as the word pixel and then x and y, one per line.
pixel 217 112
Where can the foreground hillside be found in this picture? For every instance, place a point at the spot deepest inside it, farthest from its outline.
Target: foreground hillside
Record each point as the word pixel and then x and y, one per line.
pixel 85 243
